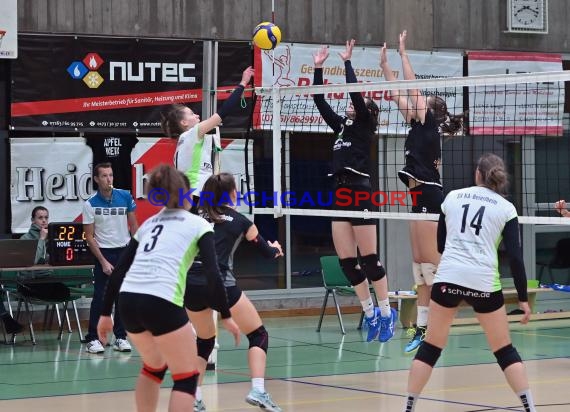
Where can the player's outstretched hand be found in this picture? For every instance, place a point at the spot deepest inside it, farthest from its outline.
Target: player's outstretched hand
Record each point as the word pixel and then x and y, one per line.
pixel 402 48
pixel 347 53
pixel 246 76
pixel 320 55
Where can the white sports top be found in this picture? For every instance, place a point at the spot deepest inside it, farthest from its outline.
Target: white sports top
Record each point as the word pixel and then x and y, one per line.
pixel 168 243
pixel 193 157
pixel 475 218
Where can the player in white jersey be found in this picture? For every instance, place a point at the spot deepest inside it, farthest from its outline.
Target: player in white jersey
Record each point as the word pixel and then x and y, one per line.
pixel 151 275
pixel 472 223
pixel 194 150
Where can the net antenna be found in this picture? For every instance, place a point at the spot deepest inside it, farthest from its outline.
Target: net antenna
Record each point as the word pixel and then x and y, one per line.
pixel 277 146
pixel 500 112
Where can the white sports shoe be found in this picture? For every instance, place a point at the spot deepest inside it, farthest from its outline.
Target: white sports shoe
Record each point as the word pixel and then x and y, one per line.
pixel 94 346
pixel 199 406
pixel 122 345
pixel 263 400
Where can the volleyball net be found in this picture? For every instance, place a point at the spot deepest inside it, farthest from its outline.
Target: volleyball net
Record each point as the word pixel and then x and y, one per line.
pixel 519 117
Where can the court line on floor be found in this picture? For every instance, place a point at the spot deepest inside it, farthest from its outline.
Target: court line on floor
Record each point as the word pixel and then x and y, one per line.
pixel 500 408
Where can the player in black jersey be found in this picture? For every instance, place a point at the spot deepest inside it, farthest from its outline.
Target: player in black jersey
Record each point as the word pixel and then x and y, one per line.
pixel 426 115
pixel 219 195
pixel 351 163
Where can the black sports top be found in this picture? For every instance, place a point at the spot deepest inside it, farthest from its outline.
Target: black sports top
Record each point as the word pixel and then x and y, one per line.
pixel 423 152
pixel 351 150
pixel 227 235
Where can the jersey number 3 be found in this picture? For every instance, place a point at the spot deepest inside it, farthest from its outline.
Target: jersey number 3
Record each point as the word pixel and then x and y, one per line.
pixel 156 231
pixel 475 222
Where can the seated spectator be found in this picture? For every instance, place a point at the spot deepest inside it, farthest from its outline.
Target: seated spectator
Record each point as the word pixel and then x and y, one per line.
pixel 50 291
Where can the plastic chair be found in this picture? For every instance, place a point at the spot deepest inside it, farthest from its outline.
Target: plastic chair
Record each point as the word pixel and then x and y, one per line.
pixel 336 283
pixel 74 279
pixel 560 260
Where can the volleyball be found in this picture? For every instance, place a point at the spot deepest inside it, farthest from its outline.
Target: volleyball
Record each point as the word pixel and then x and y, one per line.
pixel 266 36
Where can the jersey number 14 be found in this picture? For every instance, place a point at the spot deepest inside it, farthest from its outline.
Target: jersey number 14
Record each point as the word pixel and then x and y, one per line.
pixel 475 222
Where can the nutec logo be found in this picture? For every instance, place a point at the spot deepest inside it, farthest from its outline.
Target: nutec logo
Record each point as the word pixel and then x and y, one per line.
pixel 87 70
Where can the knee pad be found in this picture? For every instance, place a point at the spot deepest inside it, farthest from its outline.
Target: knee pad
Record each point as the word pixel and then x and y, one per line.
pixel 428 272
pixel 156 375
pixel 372 269
pixel 186 382
pixel 506 356
pixel 259 338
pixel 205 347
pixel 417 272
pixel 354 275
pixel 428 353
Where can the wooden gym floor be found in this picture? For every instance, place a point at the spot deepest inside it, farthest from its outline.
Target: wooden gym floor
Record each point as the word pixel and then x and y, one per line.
pixel 307 371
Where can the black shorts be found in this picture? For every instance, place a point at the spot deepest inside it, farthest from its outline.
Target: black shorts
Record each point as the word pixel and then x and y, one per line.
pixel 428 199
pixel 196 297
pixel 141 312
pixel 451 295
pixel 354 198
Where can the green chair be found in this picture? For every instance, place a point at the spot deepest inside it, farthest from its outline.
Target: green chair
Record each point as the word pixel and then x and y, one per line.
pixel 77 280
pixel 336 283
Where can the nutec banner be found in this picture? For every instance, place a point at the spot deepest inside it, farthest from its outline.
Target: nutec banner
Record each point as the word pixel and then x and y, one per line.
pixel 102 84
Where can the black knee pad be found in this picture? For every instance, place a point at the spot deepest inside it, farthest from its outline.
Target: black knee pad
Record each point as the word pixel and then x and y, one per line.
pixel 259 338
pixel 428 353
pixel 156 375
pixel 186 382
pixel 354 275
pixel 205 347
pixel 371 269
pixel 506 356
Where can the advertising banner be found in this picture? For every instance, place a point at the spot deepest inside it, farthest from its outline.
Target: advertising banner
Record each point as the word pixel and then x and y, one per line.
pixel 9 30
pixel 51 172
pixel 515 109
pixel 57 173
pixel 292 65
pixel 70 83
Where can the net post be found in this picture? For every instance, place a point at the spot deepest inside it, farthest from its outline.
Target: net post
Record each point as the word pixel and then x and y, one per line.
pixel 276 125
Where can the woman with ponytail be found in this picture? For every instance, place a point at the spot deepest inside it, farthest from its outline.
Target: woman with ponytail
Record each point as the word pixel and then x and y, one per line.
pixel 150 279
pixel 427 117
pixel 194 150
pixel 354 133
pixel 471 225
pixel 230 228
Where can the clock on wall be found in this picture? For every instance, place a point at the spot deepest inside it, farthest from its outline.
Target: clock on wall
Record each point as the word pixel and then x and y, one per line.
pixel 529 16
